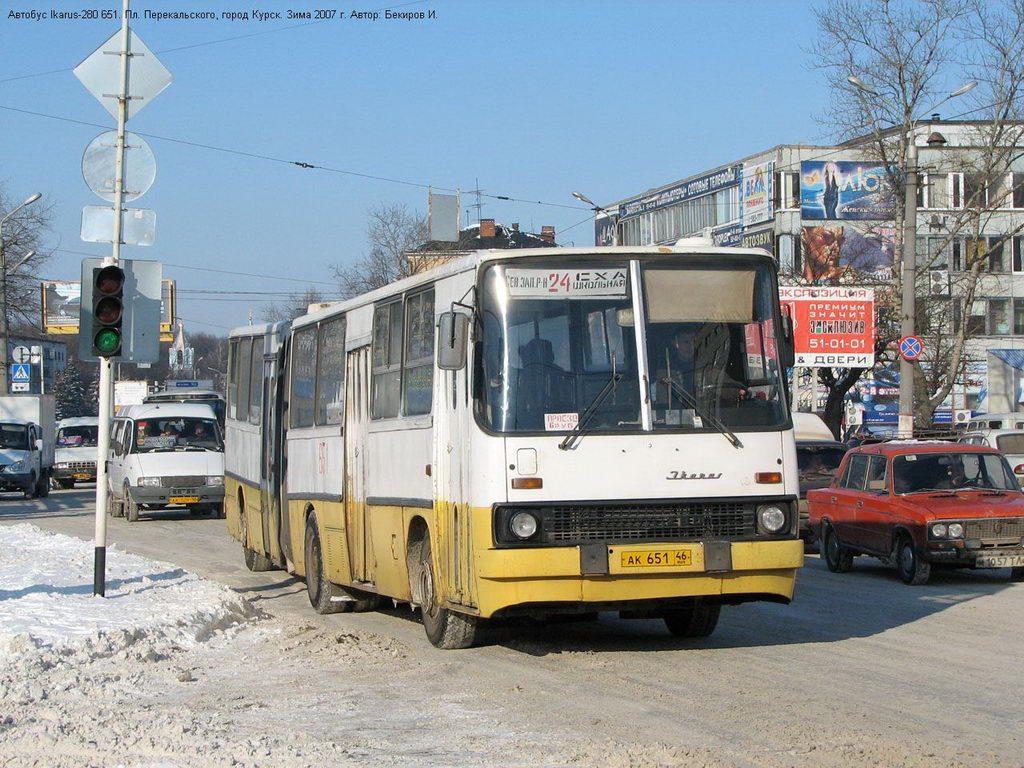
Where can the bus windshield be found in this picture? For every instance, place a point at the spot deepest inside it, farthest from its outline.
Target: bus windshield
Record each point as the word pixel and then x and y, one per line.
pixel 556 336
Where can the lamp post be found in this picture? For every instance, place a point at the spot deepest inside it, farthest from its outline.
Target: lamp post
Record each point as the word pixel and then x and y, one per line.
pixel 5 376
pixel 598 209
pixel 908 307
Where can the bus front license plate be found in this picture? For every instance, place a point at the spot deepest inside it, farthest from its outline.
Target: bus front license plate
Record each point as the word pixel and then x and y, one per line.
pixel 183 499
pixel 81 476
pixel 653 558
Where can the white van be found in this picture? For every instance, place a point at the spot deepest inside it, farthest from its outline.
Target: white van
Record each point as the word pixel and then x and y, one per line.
pixel 996 421
pixel 167 455
pixel 75 456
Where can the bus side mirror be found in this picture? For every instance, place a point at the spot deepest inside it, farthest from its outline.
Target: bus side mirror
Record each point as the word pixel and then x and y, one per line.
pixel 787 355
pixel 453 331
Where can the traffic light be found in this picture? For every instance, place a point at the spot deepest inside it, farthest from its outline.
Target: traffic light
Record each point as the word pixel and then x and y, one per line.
pixel 107 310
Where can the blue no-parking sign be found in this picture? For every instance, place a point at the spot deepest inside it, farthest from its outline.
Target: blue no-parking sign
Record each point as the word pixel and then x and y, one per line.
pixel 910 347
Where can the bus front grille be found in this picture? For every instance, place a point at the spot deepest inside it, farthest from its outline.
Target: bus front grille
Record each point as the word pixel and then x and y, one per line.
pixel 612 523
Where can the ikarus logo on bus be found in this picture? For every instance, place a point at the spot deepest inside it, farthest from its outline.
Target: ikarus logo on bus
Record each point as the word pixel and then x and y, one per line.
pixel 684 475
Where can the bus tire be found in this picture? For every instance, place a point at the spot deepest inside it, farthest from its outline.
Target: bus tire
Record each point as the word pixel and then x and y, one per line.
pixel 256 562
pixel 446 629
pixel 318 588
pixel 698 620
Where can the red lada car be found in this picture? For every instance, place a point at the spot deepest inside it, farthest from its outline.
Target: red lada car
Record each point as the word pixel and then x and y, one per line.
pixel 919 504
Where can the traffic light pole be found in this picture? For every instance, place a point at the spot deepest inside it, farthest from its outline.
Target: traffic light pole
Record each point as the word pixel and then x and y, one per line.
pixel 106 384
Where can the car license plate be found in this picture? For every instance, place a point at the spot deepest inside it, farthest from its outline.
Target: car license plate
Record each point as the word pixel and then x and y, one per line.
pixel 82 476
pixel 1002 560
pixel 183 499
pixel 650 558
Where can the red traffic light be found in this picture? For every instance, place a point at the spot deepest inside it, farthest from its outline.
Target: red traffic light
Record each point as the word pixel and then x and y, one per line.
pixel 110 280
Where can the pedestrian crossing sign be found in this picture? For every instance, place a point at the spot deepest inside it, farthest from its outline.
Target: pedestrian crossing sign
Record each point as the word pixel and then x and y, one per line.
pixel 20 372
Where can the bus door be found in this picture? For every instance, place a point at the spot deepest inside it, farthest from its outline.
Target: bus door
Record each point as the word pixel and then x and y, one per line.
pixel 269 509
pixel 450 472
pixel 357 411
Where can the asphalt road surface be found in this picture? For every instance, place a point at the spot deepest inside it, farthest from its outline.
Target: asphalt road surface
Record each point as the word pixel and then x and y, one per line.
pixel 859 670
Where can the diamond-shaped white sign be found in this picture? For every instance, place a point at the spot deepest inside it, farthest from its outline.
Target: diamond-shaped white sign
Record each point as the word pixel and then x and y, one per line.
pixel 100 73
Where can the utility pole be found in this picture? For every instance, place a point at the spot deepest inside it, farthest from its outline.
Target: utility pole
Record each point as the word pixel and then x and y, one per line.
pixel 106 383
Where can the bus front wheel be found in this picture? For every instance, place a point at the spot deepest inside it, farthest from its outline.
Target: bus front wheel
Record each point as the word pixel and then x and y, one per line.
pixel 446 629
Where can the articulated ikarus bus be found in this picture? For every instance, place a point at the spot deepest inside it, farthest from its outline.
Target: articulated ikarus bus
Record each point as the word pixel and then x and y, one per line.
pixel 526 432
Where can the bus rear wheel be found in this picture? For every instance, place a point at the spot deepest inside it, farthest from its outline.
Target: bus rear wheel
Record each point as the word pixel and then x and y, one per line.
pixel 698 620
pixel 446 629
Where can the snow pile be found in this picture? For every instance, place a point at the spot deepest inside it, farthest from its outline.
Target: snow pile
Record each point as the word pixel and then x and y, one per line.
pixel 46 600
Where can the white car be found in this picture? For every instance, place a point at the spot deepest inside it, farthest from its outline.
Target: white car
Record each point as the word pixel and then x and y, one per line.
pixel 168 455
pixel 75 454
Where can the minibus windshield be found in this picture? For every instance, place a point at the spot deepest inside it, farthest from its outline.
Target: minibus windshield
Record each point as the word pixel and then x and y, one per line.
pixel 177 434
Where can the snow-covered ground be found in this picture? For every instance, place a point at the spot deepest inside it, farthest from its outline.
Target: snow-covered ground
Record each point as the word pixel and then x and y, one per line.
pixel 46 600
pixel 170 670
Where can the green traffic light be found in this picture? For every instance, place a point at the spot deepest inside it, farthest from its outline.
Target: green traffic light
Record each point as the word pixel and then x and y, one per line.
pixel 108 341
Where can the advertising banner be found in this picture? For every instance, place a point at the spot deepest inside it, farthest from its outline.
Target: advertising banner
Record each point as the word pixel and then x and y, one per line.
pixel 756 194
pixel 604 229
pixel 62 301
pixel 759 238
pixel 840 189
pixel 833 326
pixel 61 305
pixel 702 185
pixel 834 252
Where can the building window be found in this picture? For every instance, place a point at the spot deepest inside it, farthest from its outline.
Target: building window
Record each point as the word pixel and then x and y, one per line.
pixel 974 190
pixel 976 318
pixel 1018 317
pixel 996 258
pixel 1018 190
pixel 997 191
pixel 998 317
pixel 1018 257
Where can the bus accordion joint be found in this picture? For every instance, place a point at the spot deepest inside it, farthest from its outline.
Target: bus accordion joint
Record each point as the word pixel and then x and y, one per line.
pixel 768 477
pixel 527 483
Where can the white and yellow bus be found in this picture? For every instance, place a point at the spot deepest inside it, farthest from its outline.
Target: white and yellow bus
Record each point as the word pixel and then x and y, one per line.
pixel 526 432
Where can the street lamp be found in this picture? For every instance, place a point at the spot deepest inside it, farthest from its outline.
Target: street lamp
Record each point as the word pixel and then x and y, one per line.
pixel 909 269
pixel 598 209
pixel 4 364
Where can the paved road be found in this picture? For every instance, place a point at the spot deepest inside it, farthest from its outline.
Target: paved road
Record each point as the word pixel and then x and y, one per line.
pixel 859 670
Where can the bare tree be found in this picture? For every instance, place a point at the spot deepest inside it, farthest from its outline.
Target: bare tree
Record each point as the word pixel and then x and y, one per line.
pixel 393 233
pixel 910 52
pixel 293 306
pixel 22 233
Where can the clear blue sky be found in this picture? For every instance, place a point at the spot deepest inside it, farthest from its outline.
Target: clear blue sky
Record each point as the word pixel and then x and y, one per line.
pixel 533 98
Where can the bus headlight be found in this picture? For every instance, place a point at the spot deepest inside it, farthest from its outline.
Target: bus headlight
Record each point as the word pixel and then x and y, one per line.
pixel 956 531
pixel 523 525
pixel 149 482
pixel 771 518
pixel 215 480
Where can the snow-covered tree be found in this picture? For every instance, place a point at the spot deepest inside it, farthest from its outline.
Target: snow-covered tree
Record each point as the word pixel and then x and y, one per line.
pixel 72 394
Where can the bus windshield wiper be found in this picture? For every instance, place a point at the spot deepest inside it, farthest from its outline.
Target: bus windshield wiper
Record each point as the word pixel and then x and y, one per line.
pixel 579 430
pixel 691 401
